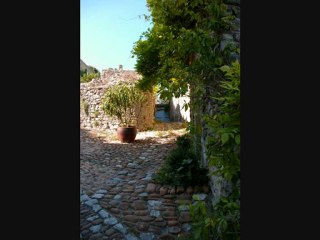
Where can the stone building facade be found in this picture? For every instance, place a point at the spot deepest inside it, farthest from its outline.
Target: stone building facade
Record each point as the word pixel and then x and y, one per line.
pixel 177 110
pixel 91 94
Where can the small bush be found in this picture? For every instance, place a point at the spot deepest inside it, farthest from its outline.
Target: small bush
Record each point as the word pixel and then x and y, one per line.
pixel 85 106
pixel 181 166
pixel 88 77
pixel 96 123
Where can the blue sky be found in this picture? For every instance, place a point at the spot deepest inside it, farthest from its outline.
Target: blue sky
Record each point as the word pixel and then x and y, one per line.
pixel 108 30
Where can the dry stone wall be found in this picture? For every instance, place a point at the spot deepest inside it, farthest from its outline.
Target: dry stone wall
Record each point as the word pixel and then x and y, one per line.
pixel 91 94
pixel 219 186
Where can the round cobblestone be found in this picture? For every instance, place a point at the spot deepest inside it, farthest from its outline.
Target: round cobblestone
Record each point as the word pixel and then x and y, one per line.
pixel 119 199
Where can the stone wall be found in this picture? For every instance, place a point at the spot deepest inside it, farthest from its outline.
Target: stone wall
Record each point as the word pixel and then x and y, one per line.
pixel 91 113
pixel 219 186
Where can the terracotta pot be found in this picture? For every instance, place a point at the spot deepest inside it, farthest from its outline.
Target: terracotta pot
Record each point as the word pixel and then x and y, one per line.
pixel 127 134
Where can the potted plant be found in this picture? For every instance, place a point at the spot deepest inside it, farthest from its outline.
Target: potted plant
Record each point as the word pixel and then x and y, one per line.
pixel 123 101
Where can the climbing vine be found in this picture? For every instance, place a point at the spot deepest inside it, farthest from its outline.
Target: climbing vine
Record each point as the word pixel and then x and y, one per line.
pixel 183 47
pixel 187 52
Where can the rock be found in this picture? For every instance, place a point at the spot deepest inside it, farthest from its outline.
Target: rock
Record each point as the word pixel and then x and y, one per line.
pixel 131 237
pixel 97 195
pixel 172 222
pixel 163 191
pixel 159 219
pixel 154 196
pixel 85 233
pixel 139 206
pixel 153 203
pixel 144 194
pixel 95 228
pixel 96 236
pixel 159 224
pixel 115 181
pixel 120 228
pixel 117 197
pixel 167 196
pixel 147 236
pixel 85 226
pixel 110 221
pixel 155 213
pixel 142 226
pixel 131 218
pixel 172 191
pixel 127 212
pixel 123 172
pixel 189 190
pixel 114 203
pixel 167 236
pixel 141 212
pixel 151 187
pixel 184 217
pixel 124 205
pixel 97 221
pixel 103 214
pixel 102 191
pixel 174 230
pixel 91 202
pixel 168 214
pixel 115 210
pixel 132 165
pixel 90 219
pixel 96 207
pixel 155 229
pixel 186 227
pixel 84 198
pixel 110 231
pixel 180 189
pixel 147 218
pixel 148 177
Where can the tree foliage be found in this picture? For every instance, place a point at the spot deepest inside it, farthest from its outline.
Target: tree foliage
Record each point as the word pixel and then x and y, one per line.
pixel 186 52
pixel 183 47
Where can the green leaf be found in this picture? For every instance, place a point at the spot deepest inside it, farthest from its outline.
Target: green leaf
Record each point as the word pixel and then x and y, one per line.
pixel 195 197
pixel 237 139
pixel 225 68
pixel 224 138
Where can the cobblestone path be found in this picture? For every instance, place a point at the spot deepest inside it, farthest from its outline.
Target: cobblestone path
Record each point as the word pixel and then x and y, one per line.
pixel 118 198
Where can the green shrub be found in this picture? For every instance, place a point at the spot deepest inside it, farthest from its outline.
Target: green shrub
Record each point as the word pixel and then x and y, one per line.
pixel 85 106
pixel 124 102
pixel 88 77
pixel 181 166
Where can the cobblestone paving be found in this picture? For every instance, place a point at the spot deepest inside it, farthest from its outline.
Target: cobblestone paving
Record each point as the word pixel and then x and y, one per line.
pixel 118 198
